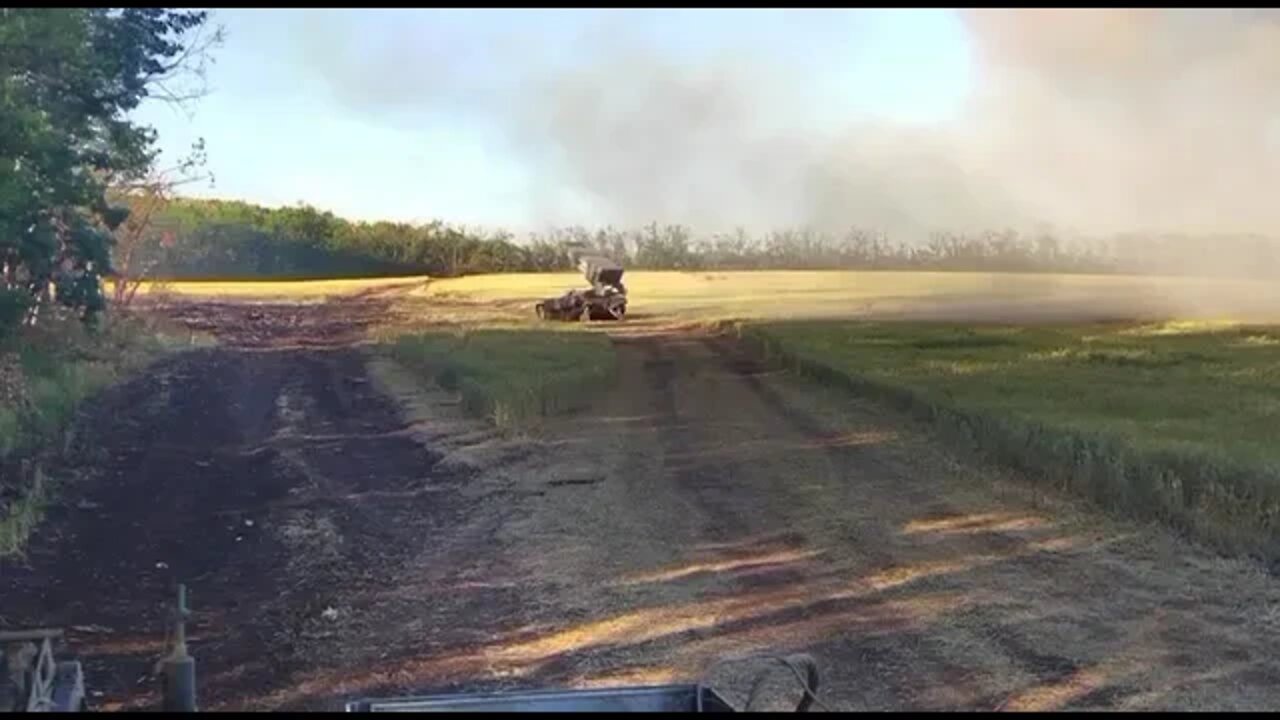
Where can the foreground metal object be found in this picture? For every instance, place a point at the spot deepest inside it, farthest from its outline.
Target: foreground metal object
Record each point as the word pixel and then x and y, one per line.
pixel 605 300
pixel 661 698
pixel 685 698
pixel 179 669
pixel 32 681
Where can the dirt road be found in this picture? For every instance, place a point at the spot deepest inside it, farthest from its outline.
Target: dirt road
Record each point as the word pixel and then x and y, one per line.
pixel 341 538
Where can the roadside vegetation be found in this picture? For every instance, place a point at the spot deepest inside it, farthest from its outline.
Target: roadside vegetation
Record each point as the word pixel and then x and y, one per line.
pixel 1168 421
pixel 46 372
pixel 69 79
pixel 513 377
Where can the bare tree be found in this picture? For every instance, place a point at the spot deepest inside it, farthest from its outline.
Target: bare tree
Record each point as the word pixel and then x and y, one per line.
pixel 184 78
pixel 139 245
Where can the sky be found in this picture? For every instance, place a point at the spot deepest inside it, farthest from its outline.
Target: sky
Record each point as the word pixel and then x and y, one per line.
pixel 906 121
pixel 408 114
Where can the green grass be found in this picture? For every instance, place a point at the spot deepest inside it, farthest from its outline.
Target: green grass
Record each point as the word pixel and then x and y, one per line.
pixel 1175 421
pixel 513 377
pixel 20 520
pixel 62 363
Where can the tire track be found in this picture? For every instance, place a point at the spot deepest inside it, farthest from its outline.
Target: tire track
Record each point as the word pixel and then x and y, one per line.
pixel 207 476
pixel 812 521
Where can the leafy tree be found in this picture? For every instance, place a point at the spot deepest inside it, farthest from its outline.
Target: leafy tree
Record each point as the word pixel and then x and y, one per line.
pixel 68 79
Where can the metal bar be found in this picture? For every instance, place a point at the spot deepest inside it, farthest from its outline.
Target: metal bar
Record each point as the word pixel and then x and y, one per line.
pixel 662 698
pixel 30 635
pixel 179 668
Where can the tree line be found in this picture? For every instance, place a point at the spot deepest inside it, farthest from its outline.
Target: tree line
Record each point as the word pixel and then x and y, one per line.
pixel 216 239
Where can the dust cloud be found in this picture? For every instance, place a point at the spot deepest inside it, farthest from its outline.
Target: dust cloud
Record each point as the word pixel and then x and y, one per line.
pixel 1083 121
pixel 1130 120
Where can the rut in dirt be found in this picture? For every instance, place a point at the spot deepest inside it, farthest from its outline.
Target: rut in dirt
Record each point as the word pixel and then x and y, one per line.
pixel 276 485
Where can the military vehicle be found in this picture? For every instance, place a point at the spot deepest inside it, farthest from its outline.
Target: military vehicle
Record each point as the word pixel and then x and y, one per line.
pixel 606 299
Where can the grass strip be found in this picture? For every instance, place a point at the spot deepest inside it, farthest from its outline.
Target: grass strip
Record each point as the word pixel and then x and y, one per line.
pixel 1166 421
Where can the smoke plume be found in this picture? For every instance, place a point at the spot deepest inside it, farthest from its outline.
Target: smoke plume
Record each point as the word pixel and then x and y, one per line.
pixel 1092 121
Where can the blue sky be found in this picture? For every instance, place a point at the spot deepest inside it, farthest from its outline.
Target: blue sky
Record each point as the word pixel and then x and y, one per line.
pixel 414 114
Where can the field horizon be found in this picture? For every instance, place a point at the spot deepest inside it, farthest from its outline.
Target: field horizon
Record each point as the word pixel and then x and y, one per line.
pixel 784 294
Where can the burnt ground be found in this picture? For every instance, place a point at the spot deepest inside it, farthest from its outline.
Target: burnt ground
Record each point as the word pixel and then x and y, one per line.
pixel 271 483
pixel 345 533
